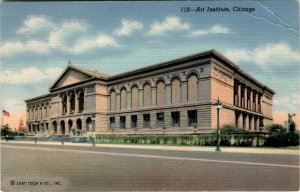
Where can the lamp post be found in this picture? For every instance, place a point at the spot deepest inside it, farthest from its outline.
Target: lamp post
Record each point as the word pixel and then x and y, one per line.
pixel 290 120
pixel 218 106
pixel 93 129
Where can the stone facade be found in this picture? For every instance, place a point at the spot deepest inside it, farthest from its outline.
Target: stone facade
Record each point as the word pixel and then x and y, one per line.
pixel 177 96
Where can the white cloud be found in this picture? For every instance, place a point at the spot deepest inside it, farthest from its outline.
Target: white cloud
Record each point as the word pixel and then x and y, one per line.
pixel 128 27
pixel 216 29
pixel 67 32
pixel 171 23
pixel 12 48
pixel 34 24
pixel 71 36
pixel 86 44
pixel 29 75
pixel 274 53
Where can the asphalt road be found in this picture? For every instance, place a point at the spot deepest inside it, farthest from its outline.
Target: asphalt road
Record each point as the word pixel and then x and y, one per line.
pixel 66 168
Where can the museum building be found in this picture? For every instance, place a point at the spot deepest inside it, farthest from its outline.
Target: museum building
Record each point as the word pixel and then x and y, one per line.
pixel 176 96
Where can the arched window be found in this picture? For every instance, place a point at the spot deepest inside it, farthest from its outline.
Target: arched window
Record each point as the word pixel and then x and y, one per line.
pixel 160 93
pixel 192 88
pixel 175 90
pixel 81 102
pixel 112 100
pixel 54 125
pixel 147 95
pixel 134 97
pixel 123 98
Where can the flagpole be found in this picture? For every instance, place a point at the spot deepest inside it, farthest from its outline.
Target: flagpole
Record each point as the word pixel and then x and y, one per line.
pixel 2 120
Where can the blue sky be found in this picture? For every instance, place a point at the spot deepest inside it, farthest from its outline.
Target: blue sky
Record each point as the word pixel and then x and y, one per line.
pixel 38 39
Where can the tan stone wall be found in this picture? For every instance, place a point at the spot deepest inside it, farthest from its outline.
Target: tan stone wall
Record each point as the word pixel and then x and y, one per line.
pixel 267 107
pixel 112 100
pixel 227 116
pixel 90 104
pixel 101 98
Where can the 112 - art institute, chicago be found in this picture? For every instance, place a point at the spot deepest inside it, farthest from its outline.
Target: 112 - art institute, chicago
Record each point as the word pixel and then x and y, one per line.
pixel 176 96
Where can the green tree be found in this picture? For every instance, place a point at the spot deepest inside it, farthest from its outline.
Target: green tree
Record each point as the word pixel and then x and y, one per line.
pixel 6 130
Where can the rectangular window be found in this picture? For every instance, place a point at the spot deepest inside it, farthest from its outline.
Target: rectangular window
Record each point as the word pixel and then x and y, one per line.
pixel 112 122
pixel 192 117
pixel 122 122
pixel 146 120
pixel 175 119
pixel 160 120
pixel 133 121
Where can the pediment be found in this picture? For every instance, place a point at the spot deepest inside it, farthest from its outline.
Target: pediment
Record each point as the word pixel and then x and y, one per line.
pixel 68 77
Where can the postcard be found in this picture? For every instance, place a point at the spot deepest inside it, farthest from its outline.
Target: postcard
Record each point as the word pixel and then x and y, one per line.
pixel 150 96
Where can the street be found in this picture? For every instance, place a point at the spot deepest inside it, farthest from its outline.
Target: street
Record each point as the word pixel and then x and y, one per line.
pixel 74 168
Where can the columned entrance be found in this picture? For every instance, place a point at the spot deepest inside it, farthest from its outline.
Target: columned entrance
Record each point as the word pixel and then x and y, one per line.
pixel 62 127
pixel 79 124
pixel 89 124
pixel 54 124
pixel 70 125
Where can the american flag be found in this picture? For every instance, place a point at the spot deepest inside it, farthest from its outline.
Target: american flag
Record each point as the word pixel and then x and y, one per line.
pixel 6 113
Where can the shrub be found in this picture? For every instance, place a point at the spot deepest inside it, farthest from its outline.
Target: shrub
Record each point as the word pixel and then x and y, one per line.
pixel 231 129
pixel 276 128
pixel 293 139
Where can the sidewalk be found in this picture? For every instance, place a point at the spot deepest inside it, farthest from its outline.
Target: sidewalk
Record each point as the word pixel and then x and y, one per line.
pixel 173 148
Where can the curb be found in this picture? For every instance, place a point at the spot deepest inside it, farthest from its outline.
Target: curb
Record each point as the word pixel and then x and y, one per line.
pixel 172 148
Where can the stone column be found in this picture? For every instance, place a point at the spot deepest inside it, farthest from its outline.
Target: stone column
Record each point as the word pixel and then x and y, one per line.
pixel 199 90
pixel 153 95
pixel 240 121
pixel 168 94
pixel 252 123
pixel 239 95
pixel 153 119
pixel 129 99
pixel 245 97
pixel 141 98
pixel 184 91
pixel 68 104
pixel 140 121
pixel 83 124
pixel 256 102
pixel 118 101
pixel 117 122
pixel 128 122
pixel 35 113
pixel 247 122
pixel 168 119
pixel 108 103
pixel 251 99
pixel 183 118
pixel 58 128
